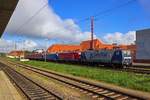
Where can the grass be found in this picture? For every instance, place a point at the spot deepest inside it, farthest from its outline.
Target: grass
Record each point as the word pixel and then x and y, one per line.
pixel 124 79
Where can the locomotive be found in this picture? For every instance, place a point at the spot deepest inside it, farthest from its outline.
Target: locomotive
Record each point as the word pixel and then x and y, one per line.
pixel 118 57
pixel 108 57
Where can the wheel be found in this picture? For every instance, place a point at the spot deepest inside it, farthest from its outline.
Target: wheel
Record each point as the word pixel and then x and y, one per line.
pixel 113 66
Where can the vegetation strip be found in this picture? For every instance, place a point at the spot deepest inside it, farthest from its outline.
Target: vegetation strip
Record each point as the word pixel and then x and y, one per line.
pixel 130 92
pixel 125 79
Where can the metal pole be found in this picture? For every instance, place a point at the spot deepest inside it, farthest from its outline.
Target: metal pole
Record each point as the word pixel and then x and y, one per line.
pixel 45 55
pixel 92 32
pixel 45 50
pixel 15 46
pixel 24 49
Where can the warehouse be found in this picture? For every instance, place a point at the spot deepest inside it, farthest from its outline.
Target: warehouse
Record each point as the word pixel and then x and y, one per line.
pixel 85 45
pixel 143 46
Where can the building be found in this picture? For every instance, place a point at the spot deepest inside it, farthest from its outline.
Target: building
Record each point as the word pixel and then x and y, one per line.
pixel 97 45
pixel 38 51
pixel 131 47
pixel 17 54
pixel 143 46
pixel 85 45
pixel 63 48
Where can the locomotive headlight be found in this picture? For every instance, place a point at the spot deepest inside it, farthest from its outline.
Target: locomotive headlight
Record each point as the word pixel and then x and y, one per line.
pixel 127 61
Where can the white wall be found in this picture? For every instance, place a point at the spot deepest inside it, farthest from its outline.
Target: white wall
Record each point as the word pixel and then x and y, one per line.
pixel 143 44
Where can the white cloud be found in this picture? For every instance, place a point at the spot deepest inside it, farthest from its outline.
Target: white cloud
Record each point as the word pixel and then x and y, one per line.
pixel 6 45
pixel 27 45
pixel 120 38
pixel 9 45
pixel 47 24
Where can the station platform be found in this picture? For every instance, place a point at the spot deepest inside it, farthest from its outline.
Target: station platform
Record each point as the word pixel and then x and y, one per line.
pixel 7 90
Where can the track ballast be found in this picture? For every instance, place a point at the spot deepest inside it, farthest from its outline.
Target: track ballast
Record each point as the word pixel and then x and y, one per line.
pixel 31 90
pixel 93 90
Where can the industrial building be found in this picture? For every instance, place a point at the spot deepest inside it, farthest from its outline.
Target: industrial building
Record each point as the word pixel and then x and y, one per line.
pixel 17 54
pixel 143 46
pixel 85 45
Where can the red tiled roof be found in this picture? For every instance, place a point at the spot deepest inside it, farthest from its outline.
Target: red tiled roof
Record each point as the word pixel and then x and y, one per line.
pixel 97 44
pixel 16 53
pixel 86 44
pixel 63 48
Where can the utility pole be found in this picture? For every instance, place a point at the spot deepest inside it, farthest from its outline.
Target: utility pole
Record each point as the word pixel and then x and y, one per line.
pixel 46 40
pixel 92 33
pixel 14 45
pixel 24 49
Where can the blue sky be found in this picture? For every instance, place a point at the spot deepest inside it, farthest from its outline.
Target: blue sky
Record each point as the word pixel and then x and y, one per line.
pixel 118 23
pixel 130 17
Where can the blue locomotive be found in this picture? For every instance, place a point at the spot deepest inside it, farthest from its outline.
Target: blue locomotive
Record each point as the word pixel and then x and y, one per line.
pixel 107 57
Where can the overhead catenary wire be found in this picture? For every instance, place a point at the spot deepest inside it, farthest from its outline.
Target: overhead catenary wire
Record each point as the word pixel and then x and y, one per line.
pixel 108 10
pixel 35 14
pixel 114 8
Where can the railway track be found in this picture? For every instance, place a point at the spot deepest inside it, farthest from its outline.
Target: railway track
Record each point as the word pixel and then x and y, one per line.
pixel 30 89
pixel 138 70
pixel 96 91
pixel 134 68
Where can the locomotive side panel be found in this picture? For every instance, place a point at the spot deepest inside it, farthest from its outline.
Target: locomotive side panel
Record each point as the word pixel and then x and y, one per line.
pixel 101 56
pixel 52 57
pixel 69 56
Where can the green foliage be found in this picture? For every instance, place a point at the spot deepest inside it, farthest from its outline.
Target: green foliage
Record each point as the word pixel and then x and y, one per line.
pixel 125 79
pixel 2 54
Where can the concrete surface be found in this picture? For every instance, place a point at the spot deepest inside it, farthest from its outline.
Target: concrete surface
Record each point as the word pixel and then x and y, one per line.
pixel 7 90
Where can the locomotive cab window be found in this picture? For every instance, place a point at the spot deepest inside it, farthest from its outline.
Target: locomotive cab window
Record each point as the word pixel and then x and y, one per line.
pixel 117 53
pixel 127 53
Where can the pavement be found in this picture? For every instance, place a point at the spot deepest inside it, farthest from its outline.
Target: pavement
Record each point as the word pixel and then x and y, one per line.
pixel 7 90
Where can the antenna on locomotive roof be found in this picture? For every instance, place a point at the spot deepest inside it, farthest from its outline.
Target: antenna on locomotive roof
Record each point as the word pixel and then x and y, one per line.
pixel 92 33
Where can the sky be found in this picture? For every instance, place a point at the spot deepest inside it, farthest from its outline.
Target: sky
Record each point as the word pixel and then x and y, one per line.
pixel 41 23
